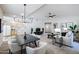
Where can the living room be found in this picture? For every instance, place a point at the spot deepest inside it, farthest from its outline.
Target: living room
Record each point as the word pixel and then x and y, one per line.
pixel 40 20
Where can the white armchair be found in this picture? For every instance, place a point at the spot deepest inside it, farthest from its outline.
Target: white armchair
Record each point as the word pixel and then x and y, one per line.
pixel 68 39
pixel 41 49
pixel 1 41
pixel 4 49
pixel 13 46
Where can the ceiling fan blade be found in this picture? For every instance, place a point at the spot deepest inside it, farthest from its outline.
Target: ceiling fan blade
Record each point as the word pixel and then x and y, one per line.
pixel 54 15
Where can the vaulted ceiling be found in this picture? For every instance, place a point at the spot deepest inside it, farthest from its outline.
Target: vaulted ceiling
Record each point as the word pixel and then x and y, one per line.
pixel 18 9
pixel 59 10
pixel 41 9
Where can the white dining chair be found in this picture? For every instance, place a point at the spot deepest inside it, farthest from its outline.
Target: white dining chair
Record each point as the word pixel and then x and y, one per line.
pixel 41 49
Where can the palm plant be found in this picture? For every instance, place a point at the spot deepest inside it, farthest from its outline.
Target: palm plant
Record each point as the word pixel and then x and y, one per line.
pixel 73 27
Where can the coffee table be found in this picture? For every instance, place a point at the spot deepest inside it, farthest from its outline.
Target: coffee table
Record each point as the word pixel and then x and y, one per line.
pixel 59 40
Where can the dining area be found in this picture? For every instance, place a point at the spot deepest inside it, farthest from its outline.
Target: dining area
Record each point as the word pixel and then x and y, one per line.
pixel 29 44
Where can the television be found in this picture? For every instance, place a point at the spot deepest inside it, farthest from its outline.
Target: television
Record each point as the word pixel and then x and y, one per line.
pixel 0 25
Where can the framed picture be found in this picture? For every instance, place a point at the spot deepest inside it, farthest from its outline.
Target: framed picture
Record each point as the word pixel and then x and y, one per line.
pixel 69 24
pixel 48 27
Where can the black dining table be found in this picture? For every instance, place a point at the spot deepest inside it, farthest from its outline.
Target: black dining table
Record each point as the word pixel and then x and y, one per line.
pixel 30 39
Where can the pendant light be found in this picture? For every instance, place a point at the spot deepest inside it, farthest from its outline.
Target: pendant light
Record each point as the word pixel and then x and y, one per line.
pixel 24 13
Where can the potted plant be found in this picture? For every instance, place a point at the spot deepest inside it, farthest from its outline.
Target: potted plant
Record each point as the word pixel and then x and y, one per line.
pixel 73 28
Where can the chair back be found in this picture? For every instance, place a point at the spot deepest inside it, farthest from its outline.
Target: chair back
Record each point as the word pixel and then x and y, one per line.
pixel 41 49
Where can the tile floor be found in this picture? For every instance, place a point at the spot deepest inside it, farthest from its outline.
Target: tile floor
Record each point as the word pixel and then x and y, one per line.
pixel 55 49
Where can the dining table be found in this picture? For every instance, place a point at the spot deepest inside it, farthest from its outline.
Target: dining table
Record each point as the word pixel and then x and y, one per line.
pixel 29 39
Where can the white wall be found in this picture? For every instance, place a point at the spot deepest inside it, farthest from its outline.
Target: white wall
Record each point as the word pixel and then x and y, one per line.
pixel 59 20
pixel 1 13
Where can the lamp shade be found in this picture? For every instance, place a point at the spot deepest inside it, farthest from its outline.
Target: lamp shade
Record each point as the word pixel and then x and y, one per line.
pixel 57 30
pixel 64 29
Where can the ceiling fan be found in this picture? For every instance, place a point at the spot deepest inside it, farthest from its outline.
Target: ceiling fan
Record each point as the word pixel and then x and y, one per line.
pixel 50 15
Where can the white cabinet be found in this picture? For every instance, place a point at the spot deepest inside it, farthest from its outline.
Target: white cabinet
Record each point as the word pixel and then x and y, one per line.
pixel 6 30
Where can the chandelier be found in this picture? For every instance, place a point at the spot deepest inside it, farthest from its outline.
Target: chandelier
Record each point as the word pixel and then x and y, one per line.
pixel 23 16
